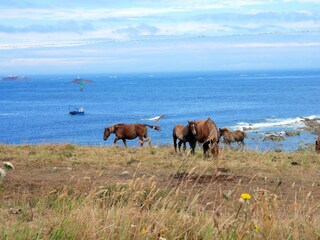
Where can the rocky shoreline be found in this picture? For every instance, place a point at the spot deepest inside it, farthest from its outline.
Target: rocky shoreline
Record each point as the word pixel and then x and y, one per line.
pixel 311 125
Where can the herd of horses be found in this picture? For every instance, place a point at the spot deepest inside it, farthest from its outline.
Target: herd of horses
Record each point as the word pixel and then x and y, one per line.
pixel 203 131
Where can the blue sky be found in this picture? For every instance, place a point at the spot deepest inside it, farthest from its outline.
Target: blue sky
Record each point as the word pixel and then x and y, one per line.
pixel 98 36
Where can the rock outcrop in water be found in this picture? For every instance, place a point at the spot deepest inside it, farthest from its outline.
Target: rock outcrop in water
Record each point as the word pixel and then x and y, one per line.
pixel 312 125
pixel 272 136
pixel 291 133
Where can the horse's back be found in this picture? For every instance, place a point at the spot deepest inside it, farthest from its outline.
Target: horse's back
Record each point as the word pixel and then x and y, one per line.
pixel 131 131
pixel 208 130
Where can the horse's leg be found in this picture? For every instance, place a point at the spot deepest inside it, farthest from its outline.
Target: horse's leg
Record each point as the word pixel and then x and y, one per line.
pixel 192 146
pixel 205 147
pixel 175 143
pixel 179 145
pixel 141 141
pixel 184 146
pixel 124 142
pixel 115 140
pixel 148 139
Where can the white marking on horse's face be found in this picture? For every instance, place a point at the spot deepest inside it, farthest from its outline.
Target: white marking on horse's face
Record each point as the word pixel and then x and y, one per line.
pixel 193 129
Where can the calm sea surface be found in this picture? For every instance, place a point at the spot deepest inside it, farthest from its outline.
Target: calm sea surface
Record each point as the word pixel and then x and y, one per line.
pixel 36 111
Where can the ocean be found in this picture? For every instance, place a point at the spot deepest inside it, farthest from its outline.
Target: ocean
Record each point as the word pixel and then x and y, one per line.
pixel 35 111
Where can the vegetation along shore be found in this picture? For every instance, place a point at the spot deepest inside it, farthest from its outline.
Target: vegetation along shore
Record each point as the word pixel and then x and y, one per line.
pixel 78 192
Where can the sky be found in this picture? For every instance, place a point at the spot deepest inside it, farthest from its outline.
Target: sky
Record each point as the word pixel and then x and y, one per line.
pixel 96 36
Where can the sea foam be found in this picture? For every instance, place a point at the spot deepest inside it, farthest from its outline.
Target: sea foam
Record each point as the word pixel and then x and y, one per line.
pixel 293 123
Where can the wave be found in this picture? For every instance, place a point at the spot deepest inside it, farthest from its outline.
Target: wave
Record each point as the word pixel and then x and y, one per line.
pixel 9 114
pixel 294 123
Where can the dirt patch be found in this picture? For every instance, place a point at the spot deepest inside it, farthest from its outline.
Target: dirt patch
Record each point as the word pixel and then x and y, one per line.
pixel 206 179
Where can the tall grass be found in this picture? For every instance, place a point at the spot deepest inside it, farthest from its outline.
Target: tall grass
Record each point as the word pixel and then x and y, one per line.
pixel 141 210
pixel 191 201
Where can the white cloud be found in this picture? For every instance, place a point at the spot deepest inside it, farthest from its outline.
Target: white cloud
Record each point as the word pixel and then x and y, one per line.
pixel 276 45
pixel 120 13
pixel 83 14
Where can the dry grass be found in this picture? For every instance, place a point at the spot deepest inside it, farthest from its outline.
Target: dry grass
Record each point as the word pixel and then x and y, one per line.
pixel 73 192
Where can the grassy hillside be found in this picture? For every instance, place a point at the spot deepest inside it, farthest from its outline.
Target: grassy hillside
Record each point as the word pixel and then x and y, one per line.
pixel 76 192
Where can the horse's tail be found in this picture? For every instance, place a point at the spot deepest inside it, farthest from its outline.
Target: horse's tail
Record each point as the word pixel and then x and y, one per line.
pixel 152 126
pixel 245 135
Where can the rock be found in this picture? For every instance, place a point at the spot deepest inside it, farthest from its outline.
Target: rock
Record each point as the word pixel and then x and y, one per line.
pixel 291 133
pixel 312 125
pixel 15 210
pixel 275 137
pixel 249 128
pixel 124 173
pixel 295 164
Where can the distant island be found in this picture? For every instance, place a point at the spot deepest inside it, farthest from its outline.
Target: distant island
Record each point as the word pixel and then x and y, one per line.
pixel 15 78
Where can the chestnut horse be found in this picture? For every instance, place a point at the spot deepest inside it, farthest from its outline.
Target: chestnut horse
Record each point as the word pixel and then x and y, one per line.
pixel 318 144
pixel 232 136
pixel 129 131
pixel 206 132
pixel 184 135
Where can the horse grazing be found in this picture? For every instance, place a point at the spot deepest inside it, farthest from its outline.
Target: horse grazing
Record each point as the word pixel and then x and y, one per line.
pixel 318 144
pixel 206 132
pixel 129 131
pixel 184 135
pixel 232 136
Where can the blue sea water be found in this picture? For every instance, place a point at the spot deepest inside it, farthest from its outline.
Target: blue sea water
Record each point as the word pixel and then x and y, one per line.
pixel 36 111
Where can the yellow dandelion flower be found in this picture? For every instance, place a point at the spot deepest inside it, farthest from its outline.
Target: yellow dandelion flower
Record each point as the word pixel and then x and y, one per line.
pixel 143 231
pixel 256 227
pixel 245 196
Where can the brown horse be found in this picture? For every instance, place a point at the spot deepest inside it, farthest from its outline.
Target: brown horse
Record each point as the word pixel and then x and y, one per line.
pixel 184 135
pixel 232 136
pixel 129 131
pixel 206 132
pixel 318 144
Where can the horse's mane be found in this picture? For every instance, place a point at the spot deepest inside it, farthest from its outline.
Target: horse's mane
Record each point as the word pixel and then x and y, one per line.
pixel 213 130
pixel 118 124
pixel 225 130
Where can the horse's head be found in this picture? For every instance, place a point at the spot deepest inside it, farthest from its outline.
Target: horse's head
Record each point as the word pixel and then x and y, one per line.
pixel 193 127
pixel 107 132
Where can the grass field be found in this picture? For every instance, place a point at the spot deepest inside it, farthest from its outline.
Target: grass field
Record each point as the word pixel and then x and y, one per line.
pixel 78 192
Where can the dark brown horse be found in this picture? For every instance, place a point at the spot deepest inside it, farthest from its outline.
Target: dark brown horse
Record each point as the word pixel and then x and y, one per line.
pixel 233 136
pixel 318 145
pixel 184 135
pixel 129 131
pixel 206 132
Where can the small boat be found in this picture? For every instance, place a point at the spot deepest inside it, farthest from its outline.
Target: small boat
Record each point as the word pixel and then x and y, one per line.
pixel 76 111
